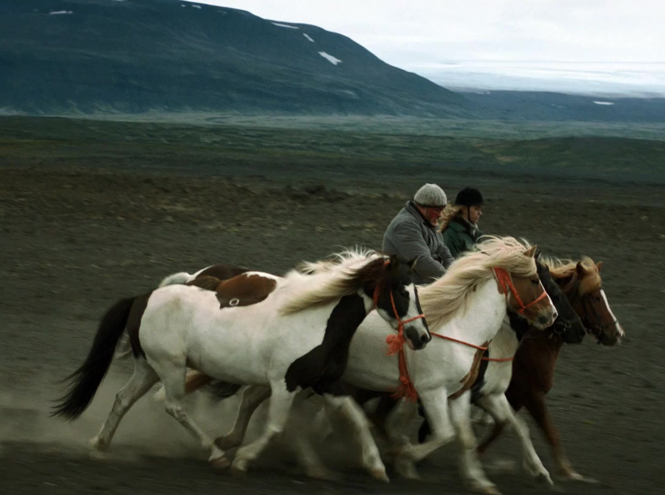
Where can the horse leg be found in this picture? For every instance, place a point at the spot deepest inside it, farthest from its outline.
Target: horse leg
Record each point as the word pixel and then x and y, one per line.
pixel 398 419
pixel 435 403
pixel 278 413
pixel 500 409
pixel 499 424
pixel 172 375
pixel 537 407
pixel 470 466
pixel 353 413
pixel 251 398
pixel 143 378
pixel 303 445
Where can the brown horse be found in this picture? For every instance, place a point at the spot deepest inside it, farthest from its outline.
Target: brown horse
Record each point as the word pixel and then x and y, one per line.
pixel 535 360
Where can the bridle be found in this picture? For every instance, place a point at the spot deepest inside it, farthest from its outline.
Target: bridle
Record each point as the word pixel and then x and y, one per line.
pixel 396 341
pixel 505 281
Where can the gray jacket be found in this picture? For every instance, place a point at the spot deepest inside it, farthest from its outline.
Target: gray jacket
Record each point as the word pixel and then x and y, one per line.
pixel 410 236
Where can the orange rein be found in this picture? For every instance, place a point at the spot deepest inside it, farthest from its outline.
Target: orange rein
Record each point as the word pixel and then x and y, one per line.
pixel 396 342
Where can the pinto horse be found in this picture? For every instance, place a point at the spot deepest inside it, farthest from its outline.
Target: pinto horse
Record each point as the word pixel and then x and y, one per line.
pixel 535 359
pixel 466 306
pixel 296 338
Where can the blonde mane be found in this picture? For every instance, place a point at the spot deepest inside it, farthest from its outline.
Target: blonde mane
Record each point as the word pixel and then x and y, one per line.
pixel 446 297
pixel 566 268
pixel 321 282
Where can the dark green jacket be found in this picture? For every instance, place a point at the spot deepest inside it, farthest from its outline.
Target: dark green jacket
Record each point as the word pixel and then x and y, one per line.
pixel 460 236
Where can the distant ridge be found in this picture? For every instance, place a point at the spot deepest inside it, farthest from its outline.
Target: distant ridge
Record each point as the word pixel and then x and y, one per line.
pixel 135 56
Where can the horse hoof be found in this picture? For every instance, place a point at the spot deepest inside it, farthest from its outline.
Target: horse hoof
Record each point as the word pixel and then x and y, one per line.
pixel 575 476
pixel 544 478
pixel 160 395
pixel 97 445
pixel 484 488
pixel 239 468
pixel 323 474
pixel 407 470
pixel 502 466
pixel 220 463
pixel 226 442
pixel 379 474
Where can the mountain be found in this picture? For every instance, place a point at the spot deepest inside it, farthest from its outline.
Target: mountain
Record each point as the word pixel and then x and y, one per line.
pixel 131 56
pixel 544 106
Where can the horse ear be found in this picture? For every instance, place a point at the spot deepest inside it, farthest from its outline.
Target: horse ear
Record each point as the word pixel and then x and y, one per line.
pixel 599 264
pixel 529 253
pixel 538 253
pixel 412 264
pixel 580 268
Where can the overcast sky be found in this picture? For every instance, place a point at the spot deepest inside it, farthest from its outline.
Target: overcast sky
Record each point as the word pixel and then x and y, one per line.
pixel 420 32
pixel 421 35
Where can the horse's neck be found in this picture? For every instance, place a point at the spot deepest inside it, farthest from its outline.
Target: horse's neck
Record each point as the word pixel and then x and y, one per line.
pixel 505 344
pixel 345 318
pixel 480 321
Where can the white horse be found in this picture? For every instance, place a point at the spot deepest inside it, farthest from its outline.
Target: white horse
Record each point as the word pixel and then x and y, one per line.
pixel 468 305
pixel 296 338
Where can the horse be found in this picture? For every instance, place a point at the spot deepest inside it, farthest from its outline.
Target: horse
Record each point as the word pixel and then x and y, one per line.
pixel 466 306
pixel 535 359
pixel 296 338
pixel 488 391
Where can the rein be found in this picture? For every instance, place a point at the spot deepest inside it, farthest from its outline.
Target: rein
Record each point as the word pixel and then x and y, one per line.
pixel 396 345
pixel 396 342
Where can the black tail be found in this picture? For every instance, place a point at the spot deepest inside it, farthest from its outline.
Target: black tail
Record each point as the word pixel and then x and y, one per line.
pixel 86 379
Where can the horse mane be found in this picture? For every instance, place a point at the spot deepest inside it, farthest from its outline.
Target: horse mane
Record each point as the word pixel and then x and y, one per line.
pixel 322 282
pixel 447 296
pixel 562 269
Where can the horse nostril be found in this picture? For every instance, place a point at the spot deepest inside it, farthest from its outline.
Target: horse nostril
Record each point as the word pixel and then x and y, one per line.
pixel 424 338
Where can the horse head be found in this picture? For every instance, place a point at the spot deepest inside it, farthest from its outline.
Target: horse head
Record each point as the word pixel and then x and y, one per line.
pixel 526 294
pixel 568 324
pixel 590 302
pixel 396 299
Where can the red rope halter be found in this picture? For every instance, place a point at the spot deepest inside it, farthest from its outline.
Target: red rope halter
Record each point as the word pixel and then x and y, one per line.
pixel 396 342
pixel 503 277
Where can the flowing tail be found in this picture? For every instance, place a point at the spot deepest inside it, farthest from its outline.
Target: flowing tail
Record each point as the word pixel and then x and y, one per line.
pixel 86 379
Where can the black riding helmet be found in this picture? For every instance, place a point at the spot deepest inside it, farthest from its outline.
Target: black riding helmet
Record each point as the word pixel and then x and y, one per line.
pixel 469 197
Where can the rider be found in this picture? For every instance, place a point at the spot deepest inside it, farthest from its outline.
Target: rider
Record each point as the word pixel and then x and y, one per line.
pixel 460 221
pixel 413 235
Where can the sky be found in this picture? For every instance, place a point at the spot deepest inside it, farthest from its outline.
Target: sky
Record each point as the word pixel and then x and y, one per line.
pixel 616 43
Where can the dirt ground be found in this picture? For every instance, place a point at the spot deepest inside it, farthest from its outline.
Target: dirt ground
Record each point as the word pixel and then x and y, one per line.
pixel 76 240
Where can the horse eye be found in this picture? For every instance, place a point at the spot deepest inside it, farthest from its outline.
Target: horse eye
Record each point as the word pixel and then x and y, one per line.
pixel 535 282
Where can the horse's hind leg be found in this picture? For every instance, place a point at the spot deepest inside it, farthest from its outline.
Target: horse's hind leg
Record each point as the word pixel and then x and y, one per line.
pixel 172 375
pixel 143 378
pixel 278 413
pixel 350 410
pixel 251 398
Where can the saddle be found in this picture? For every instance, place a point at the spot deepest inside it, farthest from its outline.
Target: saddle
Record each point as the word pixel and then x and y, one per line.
pixel 241 290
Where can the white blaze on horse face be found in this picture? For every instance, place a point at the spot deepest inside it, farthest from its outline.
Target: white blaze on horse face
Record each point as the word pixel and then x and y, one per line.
pixel 619 330
pixel 555 313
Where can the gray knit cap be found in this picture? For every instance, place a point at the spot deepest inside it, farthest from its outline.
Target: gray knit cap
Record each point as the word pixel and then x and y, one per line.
pixel 430 195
